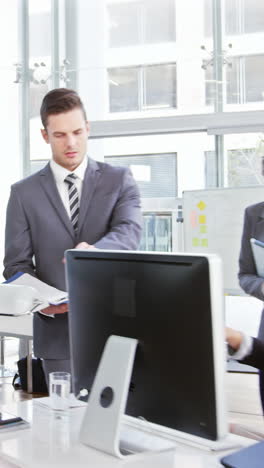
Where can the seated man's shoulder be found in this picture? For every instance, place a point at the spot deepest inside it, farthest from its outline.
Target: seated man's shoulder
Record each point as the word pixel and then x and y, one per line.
pixel 256 209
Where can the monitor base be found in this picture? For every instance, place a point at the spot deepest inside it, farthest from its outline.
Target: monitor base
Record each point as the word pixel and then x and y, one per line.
pixel 132 425
pixel 101 426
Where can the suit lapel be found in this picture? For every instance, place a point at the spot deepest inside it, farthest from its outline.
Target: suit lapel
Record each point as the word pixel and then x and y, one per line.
pixel 48 183
pixel 90 181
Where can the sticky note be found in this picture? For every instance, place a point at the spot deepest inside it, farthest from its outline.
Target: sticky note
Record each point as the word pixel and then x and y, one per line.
pixel 202 219
pixel 201 205
pixel 196 242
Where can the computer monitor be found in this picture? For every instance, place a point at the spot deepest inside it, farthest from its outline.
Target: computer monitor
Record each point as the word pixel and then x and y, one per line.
pixel 173 304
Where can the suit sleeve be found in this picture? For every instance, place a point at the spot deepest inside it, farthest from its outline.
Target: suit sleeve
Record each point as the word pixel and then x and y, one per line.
pixel 248 279
pixel 126 221
pixel 18 244
pixel 256 357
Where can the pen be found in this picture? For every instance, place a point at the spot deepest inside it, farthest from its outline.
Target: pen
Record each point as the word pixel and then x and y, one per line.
pixel 8 315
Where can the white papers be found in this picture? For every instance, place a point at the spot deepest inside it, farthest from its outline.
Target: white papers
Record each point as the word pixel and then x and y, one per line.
pixel 16 300
pixel 44 295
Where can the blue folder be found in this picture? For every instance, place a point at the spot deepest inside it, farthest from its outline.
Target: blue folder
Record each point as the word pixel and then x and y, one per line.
pixel 250 457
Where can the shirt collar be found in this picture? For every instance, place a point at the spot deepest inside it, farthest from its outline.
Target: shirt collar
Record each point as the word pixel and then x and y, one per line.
pixel 60 172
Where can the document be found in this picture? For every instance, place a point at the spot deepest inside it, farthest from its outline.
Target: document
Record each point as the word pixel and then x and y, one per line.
pixel 45 295
pixel 258 254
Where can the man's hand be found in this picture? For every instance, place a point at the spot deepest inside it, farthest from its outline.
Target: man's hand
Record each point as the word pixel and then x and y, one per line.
pixel 84 245
pixel 233 338
pixel 55 309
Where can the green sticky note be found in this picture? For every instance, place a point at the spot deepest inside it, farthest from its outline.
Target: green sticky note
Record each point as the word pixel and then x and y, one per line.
pixel 196 242
pixel 203 229
pixel 204 242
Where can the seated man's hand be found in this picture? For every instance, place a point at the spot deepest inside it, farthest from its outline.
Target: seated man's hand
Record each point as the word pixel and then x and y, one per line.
pixel 55 309
pixel 233 338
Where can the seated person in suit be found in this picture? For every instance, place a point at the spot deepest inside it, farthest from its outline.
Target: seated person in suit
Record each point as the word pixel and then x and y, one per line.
pixel 245 349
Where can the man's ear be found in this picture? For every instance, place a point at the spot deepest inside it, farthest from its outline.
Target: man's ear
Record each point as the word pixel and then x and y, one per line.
pixel 45 135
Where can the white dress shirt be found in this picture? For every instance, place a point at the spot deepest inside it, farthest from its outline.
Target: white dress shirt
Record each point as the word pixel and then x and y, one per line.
pixel 60 173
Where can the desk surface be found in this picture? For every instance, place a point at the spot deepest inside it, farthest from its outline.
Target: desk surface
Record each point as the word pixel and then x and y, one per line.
pixel 21 326
pixel 53 442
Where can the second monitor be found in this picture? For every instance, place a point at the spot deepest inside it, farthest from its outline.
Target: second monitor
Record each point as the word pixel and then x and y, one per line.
pixel 173 305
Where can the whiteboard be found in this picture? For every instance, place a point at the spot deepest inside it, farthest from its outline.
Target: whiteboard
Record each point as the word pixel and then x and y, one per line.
pixel 213 223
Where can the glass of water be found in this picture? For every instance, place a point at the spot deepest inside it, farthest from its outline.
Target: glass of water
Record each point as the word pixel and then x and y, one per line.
pixel 59 390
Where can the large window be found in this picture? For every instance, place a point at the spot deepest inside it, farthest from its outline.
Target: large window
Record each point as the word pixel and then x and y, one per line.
pixel 244 16
pixel 241 16
pixel 243 83
pixel 243 165
pixel 156 174
pixel 163 165
pixel 9 117
pixel 151 71
pixel 245 79
pixel 142 88
pixel 141 22
pixel 39 71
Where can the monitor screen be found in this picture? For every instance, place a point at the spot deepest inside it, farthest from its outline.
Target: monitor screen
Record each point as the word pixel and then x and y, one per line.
pixel 173 305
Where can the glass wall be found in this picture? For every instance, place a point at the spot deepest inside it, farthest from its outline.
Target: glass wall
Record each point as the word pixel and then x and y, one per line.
pixel 145 65
pixel 40 80
pixel 10 76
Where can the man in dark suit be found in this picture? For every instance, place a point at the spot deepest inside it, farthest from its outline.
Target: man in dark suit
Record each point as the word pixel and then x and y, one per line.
pixel 98 206
pixel 249 280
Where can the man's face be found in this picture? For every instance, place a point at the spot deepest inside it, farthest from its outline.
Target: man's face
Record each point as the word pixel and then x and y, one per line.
pixel 67 134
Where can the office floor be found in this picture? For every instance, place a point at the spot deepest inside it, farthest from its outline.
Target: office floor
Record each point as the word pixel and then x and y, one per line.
pixel 245 414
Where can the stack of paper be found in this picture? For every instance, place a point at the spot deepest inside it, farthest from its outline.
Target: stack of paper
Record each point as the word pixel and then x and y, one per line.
pixel 45 295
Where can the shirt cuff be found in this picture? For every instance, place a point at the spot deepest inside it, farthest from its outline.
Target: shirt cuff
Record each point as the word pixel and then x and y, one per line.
pixel 244 349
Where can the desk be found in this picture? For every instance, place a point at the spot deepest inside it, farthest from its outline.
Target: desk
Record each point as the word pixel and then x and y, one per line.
pixel 53 443
pixel 20 327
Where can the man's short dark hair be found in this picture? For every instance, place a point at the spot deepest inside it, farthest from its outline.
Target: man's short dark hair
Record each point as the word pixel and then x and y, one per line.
pixel 58 101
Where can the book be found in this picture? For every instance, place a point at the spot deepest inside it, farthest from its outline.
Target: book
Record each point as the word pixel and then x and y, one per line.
pixel 39 294
pixel 257 247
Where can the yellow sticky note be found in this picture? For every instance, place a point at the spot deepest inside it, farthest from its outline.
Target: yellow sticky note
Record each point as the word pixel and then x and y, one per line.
pixel 202 219
pixel 203 229
pixel 204 242
pixel 201 205
pixel 196 242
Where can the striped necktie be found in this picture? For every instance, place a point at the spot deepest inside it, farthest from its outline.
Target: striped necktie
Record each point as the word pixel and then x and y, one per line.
pixel 73 199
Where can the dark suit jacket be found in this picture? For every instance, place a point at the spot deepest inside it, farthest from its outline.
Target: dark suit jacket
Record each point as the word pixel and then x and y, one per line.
pixel 256 357
pixel 248 279
pixel 38 231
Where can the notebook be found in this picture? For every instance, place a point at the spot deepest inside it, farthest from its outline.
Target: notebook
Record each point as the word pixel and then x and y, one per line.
pixel 258 254
pixel 250 457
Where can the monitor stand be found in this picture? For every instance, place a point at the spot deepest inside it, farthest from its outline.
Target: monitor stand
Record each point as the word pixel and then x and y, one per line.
pixel 101 426
pixel 105 427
